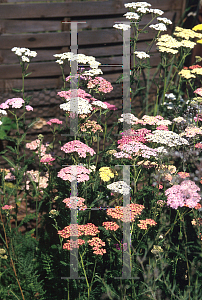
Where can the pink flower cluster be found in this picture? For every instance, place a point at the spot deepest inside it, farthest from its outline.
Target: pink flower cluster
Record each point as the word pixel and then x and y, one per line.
pixel 104 86
pixel 143 223
pixel 197 91
pixel 136 148
pixel 127 213
pixel 54 121
pixel 110 106
pixel 74 172
pixel 198 145
pixel 134 135
pixel 110 226
pixel 183 194
pixel 91 126
pixel 74 202
pixel 9 176
pixel 78 230
pixel 9 207
pixel 73 244
pixel 192 131
pixel 47 158
pixel 97 243
pixel 198 118
pixel 183 175
pixel 162 127
pixel 79 147
pixel 35 145
pixel 80 93
pixel 15 103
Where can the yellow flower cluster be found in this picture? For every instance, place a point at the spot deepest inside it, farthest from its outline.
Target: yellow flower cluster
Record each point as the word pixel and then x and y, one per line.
pixel 186 74
pixel 106 173
pixel 186 33
pixel 197 27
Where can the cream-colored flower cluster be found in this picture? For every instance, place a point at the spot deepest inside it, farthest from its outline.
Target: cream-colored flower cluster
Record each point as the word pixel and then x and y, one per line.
pixel 166 43
pixel 169 138
pixel 187 74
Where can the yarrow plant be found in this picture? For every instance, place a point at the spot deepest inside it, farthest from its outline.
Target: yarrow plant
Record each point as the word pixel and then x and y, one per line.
pixel 82 218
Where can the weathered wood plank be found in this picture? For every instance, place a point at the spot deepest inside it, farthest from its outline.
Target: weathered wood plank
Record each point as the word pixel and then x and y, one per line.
pixel 75 9
pixel 27 26
pixel 61 39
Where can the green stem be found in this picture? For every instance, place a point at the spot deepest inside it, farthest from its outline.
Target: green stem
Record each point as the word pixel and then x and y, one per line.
pixel 85 275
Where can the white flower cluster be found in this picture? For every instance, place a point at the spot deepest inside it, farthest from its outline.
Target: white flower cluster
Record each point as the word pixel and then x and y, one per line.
pixel 137 4
pixel 164 20
pixel 99 103
pixel 3 112
pixel 168 138
pixel 161 150
pixel 91 168
pixel 83 106
pixel 119 187
pixel 143 10
pixel 24 53
pixel 141 54
pixel 170 96
pixel 164 122
pixel 122 26
pixel 80 58
pixel 179 119
pixel 131 15
pixel 157 11
pixel 159 27
pixel 93 72
pixel 128 118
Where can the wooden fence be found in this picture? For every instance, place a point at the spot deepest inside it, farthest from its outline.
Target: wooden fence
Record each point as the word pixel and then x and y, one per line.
pixel 39 27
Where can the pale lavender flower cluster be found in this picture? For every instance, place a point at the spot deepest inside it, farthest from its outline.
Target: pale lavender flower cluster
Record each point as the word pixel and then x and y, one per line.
pixel 137 148
pixel 74 172
pixel 183 194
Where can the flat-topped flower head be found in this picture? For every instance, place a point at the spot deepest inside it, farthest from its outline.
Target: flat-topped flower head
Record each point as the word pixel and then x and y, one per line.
pixel 23 53
pixel 137 4
pixel 198 91
pixel 72 173
pixel 122 26
pixel 7 207
pixel 156 11
pixel 54 121
pixel 101 84
pixel 75 202
pixel 120 187
pixel 169 138
pixel 164 20
pixel 14 102
pixel 83 105
pixel 131 15
pixel 141 54
pixel 159 27
pixel 110 226
pixel 184 194
pixel 127 213
pixel 79 147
